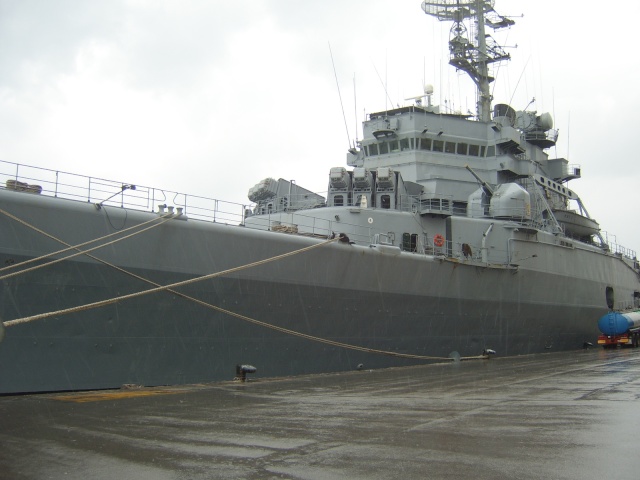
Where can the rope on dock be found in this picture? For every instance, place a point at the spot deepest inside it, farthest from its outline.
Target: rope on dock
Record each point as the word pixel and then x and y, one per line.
pixel 170 289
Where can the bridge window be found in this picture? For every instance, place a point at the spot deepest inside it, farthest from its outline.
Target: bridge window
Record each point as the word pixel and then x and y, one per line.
pixel 404 143
pixel 462 148
pixel 491 151
pixel 384 148
pixel 438 146
pixel 450 147
pixel 425 144
pixel 474 150
pixel 373 150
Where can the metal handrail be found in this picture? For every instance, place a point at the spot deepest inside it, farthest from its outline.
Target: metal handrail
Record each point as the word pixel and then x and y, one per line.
pixel 72 186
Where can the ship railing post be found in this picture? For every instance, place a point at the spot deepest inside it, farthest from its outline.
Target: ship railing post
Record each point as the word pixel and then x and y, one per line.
pixel 17 172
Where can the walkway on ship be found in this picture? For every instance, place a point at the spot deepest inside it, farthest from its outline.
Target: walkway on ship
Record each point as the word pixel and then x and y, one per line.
pixel 568 415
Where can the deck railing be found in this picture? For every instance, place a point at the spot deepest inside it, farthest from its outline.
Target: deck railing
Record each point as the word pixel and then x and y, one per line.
pixel 61 184
pixel 616 248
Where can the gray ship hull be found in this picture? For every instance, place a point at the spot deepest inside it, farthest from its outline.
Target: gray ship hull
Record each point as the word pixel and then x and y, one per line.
pixel 404 303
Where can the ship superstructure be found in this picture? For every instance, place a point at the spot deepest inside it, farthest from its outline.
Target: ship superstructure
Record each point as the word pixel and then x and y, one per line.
pixel 435 166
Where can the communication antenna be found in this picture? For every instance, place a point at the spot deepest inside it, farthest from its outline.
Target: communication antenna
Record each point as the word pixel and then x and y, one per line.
pixel 340 96
pixel 518 83
pixel 355 107
pixel 384 86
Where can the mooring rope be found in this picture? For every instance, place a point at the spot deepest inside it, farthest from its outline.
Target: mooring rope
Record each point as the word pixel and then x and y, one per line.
pixel 170 288
pixel 326 341
pixel 165 219
pixel 69 246
pixel 110 301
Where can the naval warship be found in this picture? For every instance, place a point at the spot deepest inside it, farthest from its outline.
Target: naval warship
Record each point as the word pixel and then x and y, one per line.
pixel 446 235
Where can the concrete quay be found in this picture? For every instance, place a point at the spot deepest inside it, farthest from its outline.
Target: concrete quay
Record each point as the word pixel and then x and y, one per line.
pixel 572 415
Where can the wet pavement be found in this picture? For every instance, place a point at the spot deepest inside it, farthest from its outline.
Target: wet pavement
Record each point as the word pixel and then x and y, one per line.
pixel 572 415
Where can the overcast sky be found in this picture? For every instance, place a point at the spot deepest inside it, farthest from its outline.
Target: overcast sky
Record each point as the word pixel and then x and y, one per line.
pixel 209 97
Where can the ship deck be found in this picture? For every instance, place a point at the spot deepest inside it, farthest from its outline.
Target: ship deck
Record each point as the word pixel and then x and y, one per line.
pixel 560 415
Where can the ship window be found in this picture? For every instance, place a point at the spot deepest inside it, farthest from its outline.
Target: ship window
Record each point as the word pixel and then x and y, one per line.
pixel 394 146
pixel 459 208
pixel 425 144
pixel 482 150
pixel 384 148
pixel 413 143
pixel 373 150
pixel 450 147
pixel 409 242
pixel 474 150
pixel 438 146
pixel 385 201
pixel 462 148
pixel 404 143
pixel 491 151
pixel 338 201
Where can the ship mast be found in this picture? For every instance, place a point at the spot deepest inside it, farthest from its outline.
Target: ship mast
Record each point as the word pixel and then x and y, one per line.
pixel 472 56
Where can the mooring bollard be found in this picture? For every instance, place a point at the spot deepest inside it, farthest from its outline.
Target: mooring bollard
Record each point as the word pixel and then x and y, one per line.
pixel 242 370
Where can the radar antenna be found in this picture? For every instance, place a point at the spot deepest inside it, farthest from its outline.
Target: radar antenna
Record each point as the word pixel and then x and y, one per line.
pixel 428 93
pixel 472 56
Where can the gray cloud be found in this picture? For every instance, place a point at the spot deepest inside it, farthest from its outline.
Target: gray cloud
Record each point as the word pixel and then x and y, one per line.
pixel 40 39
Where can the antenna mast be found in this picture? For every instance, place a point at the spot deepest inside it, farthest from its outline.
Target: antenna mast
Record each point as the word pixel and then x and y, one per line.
pixel 472 56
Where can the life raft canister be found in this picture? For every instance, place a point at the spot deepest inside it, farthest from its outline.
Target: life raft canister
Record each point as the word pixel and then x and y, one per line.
pixel 438 240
